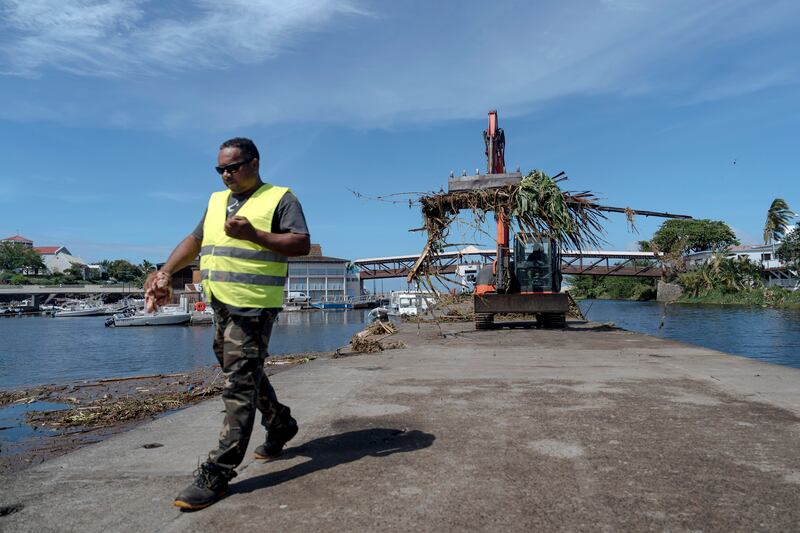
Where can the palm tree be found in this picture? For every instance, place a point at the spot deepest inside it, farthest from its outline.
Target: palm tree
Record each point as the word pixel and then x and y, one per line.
pixel 146 266
pixel 778 221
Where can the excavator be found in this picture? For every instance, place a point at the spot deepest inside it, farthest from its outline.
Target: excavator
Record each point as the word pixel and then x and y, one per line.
pixel 525 278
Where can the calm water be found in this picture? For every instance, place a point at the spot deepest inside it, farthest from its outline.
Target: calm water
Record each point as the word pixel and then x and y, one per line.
pixel 38 350
pixel 771 335
pixel 12 421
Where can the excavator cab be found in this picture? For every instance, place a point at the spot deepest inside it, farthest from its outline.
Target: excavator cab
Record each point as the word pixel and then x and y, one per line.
pixel 535 265
pixel 534 285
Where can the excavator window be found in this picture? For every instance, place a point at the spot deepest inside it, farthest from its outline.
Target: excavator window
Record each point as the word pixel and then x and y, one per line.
pixel 534 264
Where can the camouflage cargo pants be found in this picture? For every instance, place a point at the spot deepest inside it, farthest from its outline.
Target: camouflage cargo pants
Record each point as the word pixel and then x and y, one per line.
pixel 240 344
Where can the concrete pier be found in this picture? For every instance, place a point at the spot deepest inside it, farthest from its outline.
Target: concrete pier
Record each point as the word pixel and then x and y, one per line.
pixel 511 430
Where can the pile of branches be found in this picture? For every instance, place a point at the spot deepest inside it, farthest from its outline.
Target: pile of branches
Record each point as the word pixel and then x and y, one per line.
pixel 370 340
pixel 535 206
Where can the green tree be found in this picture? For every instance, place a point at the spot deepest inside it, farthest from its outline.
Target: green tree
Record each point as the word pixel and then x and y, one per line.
pixel 789 250
pixel 122 270
pixel 681 236
pixel 617 287
pixel 75 272
pixel 589 287
pixel 613 287
pixel 778 221
pixel 32 261
pixel 145 267
pixel 15 256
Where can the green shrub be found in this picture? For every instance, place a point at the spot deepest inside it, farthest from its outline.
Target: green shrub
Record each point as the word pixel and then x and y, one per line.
pixel 613 288
pixel 755 297
pixel 19 279
pixel 722 274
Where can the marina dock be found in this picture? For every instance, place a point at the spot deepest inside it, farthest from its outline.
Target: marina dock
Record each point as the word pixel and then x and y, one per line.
pixel 586 429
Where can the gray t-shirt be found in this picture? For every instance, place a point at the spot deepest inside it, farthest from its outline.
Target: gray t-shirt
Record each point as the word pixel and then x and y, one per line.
pixel 288 218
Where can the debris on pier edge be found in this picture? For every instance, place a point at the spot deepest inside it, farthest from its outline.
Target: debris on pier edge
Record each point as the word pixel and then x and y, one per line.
pixel 535 206
pixel 96 409
pixel 371 339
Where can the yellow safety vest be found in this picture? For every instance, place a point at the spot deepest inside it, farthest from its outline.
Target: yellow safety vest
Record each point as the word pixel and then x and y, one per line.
pixel 239 272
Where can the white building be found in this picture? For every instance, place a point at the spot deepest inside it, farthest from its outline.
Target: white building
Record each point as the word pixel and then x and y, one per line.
pixel 776 272
pixel 95 271
pixel 321 277
pixel 57 259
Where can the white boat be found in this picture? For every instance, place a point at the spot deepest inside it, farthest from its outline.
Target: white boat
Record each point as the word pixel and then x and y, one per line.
pixel 206 316
pixel 165 317
pixel 410 303
pixel 378 313
pixel 82 310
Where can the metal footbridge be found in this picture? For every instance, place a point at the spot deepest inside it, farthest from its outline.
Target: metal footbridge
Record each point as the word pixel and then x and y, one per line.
pixel 573 263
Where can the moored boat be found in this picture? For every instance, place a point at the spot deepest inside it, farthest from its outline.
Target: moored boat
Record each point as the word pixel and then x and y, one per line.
pixel 164 317
pixel 378 313
pixel 332 303
pixel 411 303
pixel 84 310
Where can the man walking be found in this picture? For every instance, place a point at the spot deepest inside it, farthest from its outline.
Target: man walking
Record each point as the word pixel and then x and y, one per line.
pixel 244 239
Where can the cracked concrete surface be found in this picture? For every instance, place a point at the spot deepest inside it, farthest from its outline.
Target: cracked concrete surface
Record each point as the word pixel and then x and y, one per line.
pixel 513 430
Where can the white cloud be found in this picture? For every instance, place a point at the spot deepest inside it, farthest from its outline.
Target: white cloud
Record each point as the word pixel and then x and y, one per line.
pixel 230 65
pixel 114 38
pixel 458 66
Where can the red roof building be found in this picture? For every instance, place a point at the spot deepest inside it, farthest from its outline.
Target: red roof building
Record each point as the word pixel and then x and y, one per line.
pixel 50 250
pixel 18 239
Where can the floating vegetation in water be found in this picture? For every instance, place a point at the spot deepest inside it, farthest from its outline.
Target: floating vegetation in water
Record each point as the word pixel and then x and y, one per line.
pixel 105 412
pixel 289 360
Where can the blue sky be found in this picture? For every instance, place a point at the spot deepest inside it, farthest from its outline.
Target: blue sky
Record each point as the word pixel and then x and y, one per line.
pixel 113 110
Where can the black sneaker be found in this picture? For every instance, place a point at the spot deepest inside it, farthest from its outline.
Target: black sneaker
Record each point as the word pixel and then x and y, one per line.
pixel 276 440
pixel 209 485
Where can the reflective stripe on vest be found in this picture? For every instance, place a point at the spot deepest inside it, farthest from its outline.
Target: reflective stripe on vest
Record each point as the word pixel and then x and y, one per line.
pixel 241 253
pixel 236 271
pixel 240 277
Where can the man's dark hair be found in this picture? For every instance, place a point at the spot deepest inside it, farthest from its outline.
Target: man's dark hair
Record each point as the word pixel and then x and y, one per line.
pixel 245 145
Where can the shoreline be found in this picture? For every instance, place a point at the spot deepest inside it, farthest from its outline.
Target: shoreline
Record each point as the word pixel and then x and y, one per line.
pixel 723 301
pixel 106 407
pixel 98 409
pixel 518 429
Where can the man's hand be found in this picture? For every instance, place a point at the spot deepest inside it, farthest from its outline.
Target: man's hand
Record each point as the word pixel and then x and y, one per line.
pixel 157 290
pixel 289 244
pixel 240 228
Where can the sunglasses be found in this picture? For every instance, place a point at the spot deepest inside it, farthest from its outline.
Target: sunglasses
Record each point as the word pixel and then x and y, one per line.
pixel 233 167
